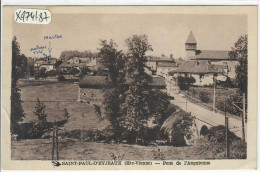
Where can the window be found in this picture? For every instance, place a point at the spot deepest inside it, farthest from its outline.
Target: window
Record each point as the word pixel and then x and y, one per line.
pixel 84 94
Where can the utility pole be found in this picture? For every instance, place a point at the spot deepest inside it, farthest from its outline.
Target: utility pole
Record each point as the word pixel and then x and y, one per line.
pixel 214 93
pixel 243 116
pixel 227 136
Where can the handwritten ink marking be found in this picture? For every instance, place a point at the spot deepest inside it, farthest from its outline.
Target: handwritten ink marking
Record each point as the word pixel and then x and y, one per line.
pixel 32 16
pixel 55 36
pixel 37 47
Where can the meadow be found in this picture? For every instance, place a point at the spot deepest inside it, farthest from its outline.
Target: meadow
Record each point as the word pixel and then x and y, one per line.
pixel 57 96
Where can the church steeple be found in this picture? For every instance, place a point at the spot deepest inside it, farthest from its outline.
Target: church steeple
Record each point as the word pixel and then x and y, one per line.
pixel 191 39
pixel 191 45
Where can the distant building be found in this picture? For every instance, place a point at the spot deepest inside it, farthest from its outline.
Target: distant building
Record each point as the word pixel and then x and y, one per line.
pixel 74 61
pixel 161 66
pixel 90 87
pixel 204 64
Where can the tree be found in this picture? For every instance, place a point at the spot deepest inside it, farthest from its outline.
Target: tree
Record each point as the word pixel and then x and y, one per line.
pixel 114 61
pixel 239 52
pixel 40 73
pixel 136 107
pixel 17 113
pixel 74 71
pixel 40 112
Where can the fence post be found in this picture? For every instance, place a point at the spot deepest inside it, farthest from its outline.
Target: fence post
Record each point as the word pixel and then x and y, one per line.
pixel 53 144
pixel 243 116
pixel 57 144
pixel 227 138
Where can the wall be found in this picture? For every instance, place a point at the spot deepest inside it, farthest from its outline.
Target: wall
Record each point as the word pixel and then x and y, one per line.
pixel 231 66
pixel 151 64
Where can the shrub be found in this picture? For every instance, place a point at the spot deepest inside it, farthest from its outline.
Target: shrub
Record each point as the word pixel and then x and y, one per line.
pixel 204 97
pixel 184 83
pixel 61 78
pixel 213 144
pixel 230 108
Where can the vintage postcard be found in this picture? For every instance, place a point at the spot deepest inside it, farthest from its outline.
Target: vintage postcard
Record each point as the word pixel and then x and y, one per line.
pixel 129 87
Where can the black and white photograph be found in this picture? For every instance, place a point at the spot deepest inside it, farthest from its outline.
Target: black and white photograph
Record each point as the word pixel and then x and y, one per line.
pixel 132 87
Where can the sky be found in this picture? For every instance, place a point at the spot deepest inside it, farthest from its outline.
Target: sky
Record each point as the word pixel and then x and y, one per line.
pixel 167 33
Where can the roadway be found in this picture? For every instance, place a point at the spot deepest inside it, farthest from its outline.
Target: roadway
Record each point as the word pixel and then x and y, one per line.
pixel 210 117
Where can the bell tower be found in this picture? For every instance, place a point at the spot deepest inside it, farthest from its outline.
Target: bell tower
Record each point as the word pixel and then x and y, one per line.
pixel 190 46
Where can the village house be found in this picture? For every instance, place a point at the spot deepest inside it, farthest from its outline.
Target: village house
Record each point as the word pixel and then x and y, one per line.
pixel 48 64
pixel 161 66
pixel 91 87
pixel 74 61
pixel 203 65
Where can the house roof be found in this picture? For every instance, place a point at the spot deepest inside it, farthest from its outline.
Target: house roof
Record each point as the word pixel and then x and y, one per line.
pixel 64 64
pixel 211 55
pixel 103 81
pixel 50 62
pixel 94 81
pixel 198 67
pixel 167 64
pixel 191 39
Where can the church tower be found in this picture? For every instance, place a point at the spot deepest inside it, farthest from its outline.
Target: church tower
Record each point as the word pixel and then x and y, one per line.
pixel 190 46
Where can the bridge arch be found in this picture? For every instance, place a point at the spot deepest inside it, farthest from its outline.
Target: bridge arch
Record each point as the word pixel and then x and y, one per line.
pixel 203 130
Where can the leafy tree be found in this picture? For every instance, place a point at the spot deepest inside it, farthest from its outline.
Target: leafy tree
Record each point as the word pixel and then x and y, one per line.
pixel 184 83
pixel 239 52
pixel 17 113
pixel 40 112
pixel 74 71
pixel 136 106
pixel 40 73
pixel 114 61
pixel 51 73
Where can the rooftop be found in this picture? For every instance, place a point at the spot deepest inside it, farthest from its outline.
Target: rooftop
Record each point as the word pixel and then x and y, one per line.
pixel 191 39
pixel 198 67
pixel 211 55
pixel 103 81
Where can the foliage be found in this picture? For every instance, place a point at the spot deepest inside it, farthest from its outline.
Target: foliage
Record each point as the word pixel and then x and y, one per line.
pixel 176 126
pixel 213 144
pixel 84 71
pixel 239 52
pixel 204 97
pixel 184 83
pixel 230 108
pixel 136 105
pixel 113 60
pixel 74 71
pixel 66 114
pixel 40 73
pixel 40 112
pixel 51 73
pixel 61 78
pixel 66 55
pixel 18 62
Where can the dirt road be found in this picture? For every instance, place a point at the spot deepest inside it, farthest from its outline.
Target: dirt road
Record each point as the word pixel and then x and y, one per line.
pixel 204 114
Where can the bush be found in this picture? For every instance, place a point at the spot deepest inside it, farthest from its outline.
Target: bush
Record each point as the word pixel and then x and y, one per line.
pixel 61 78
pixel 176 127
pixel 184 83
pixel 213 144
pixel 230 108
pixel 204 97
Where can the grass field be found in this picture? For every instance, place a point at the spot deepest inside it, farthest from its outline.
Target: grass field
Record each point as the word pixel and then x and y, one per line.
pixel 40 149
pixel 221 93
pixel 56 97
